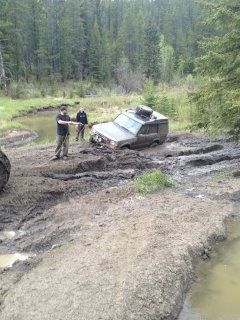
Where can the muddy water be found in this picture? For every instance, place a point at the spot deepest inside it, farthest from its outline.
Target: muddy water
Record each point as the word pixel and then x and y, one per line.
pixel 6 261
pixel 7 235
pixel 216 295
pixel 43 123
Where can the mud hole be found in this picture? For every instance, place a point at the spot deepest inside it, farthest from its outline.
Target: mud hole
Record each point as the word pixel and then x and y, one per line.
pixel 37 184
pixel 31 203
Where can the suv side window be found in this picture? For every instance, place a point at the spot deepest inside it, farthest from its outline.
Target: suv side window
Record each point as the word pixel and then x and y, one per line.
pixel 144 129
pixel 153 128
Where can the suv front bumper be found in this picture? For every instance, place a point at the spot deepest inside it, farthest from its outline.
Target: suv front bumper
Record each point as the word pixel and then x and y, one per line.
pixel 100 140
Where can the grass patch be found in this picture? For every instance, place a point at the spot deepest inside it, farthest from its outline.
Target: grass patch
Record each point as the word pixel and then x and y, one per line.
pixel 152 181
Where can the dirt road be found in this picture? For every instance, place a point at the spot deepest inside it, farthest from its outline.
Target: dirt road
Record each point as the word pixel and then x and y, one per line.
pixel 103 252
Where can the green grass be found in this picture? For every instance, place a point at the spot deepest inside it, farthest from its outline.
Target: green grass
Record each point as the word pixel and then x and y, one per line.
pixel 152 181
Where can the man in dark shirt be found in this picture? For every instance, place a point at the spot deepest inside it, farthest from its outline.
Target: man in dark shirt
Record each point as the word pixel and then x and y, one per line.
pixel 83 122
pixel 63 122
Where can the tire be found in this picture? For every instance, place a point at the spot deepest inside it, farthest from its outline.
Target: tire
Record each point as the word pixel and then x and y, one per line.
pixel 5 168
pixel 125 147
pixel 91 140
pixel 154 144
pixel 144 111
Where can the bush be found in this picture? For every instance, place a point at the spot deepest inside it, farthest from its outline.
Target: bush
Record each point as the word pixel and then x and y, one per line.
pixel 149 97
pixel 81 90
pixel 21 90
pixel 167 107
pixel 152 181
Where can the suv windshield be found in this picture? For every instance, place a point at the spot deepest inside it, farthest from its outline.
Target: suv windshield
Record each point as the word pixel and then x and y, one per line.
pixel 128 123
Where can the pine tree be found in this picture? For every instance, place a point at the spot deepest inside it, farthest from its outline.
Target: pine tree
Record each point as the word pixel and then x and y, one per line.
pixel 65 41
pixel 218 101
pixel 151 56
pixel 149 97
pixel 76 39
pixel 95 54
pixel 16 18
pixel 78 43
pixel 166 61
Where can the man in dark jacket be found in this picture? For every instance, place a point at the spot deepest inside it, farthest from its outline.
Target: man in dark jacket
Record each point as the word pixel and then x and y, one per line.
pixel 83 122
pixel 63 121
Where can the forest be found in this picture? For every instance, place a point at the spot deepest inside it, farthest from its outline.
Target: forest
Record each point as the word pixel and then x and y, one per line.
pixel 97 39
pixel 125 42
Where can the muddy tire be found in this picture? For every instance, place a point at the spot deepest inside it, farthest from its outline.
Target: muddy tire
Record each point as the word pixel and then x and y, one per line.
pixel 125 147
pixel 154 144
pixel 5 168
pixel 91 140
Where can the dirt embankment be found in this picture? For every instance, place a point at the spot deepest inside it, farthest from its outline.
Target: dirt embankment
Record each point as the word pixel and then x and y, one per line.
pixel 104 252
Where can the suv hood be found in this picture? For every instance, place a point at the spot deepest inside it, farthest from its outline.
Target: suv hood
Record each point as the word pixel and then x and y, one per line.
pixel 113 131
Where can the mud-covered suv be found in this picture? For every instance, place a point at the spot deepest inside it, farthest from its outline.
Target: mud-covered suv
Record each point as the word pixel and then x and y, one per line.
pixel 135 128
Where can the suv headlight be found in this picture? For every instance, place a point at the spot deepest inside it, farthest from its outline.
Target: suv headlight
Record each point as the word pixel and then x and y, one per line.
pixel 113 143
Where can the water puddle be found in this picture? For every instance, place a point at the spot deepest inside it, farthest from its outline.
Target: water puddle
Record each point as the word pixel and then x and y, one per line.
pixel 7 260
pixel 44 124
pixel 216 295
pixel 7 235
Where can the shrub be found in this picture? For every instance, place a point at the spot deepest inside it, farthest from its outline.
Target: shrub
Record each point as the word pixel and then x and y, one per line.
pixel 167 107
pixel 149 97
pixel 152 181
pixel 81 90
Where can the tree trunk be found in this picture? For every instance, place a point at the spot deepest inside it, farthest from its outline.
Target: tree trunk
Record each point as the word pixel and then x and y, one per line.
pixel 2 71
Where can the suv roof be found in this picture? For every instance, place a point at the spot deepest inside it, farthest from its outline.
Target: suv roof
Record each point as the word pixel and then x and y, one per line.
pixel 154 118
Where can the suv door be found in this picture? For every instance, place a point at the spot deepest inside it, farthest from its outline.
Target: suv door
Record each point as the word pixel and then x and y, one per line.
pixel 146 135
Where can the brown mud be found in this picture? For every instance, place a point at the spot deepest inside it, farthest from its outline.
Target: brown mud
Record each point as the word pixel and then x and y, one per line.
pixel 18 137
pixel 102 251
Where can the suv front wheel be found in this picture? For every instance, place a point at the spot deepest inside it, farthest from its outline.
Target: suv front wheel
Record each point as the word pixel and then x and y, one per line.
pixel 125 147
pixel 155 144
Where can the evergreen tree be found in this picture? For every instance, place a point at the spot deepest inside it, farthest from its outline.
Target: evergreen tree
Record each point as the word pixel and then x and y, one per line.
pixel 95 52
pixel 151 56
pixel 149 97
pixel 166 61
pixel 65 41
pixel 218 101
pixel 16 18
pixel 76 39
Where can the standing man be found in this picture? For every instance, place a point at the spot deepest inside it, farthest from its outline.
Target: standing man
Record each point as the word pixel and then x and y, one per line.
pixel 83 122
pixel 63 122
